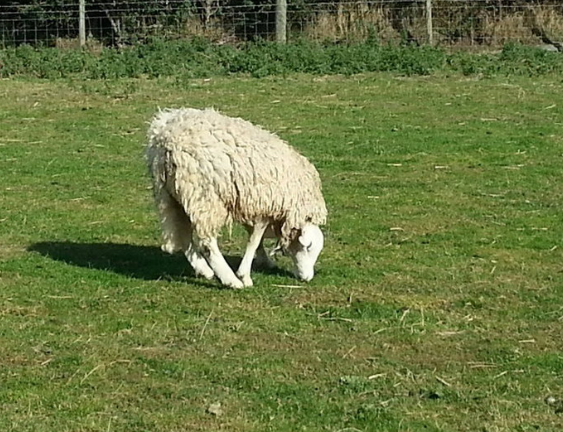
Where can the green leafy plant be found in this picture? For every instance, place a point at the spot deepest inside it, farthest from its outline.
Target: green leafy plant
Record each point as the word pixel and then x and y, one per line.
pixel 199 58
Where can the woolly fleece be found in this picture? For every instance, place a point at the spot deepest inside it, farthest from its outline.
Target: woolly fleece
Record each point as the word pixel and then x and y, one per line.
pixel 222 169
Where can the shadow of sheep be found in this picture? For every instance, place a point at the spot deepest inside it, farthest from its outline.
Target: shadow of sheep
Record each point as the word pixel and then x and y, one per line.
pixel 140 262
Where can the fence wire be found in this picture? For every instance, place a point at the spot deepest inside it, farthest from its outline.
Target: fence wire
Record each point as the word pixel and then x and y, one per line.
pixel 469 23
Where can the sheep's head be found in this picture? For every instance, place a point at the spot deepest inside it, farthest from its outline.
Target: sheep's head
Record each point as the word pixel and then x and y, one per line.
pixel 304 250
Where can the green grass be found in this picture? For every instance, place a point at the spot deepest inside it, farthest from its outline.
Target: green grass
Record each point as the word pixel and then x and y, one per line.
pixel 438 300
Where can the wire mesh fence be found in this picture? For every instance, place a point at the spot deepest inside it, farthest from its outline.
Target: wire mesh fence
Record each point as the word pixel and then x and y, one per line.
pixel 477 23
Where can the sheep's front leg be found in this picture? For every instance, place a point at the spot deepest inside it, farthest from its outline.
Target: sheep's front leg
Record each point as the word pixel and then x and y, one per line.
pixel 218 264
pixel 253 244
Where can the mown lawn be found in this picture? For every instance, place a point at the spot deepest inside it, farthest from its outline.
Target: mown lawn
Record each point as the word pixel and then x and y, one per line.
pixel 438 303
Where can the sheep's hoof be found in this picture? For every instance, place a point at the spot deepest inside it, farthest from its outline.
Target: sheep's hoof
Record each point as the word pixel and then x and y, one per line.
pixel 207 274
pixel 247 280
pixel 236 284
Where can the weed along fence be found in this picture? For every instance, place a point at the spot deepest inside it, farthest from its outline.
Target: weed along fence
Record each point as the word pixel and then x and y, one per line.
pixel 458 23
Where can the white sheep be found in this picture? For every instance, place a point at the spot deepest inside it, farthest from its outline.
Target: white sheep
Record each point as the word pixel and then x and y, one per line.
pixel 209 170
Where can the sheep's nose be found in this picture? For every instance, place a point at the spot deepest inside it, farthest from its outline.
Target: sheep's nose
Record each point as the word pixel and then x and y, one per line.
pixel 305 277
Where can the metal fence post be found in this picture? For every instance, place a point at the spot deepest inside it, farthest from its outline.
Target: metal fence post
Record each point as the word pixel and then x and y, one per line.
pixel 82 22
pixel 429 30
pixel 281 21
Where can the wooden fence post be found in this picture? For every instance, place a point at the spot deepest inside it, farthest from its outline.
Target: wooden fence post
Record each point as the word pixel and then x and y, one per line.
pixel 281 21
pixel 429 30
pixel 82 22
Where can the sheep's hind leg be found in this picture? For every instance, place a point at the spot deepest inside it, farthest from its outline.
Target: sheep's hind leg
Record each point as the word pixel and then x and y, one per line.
pixel 178 233
pixel 254 242
pixel 198 262
pixel 218 264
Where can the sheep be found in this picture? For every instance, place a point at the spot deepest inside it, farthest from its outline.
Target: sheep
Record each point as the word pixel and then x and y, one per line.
pixel 210 170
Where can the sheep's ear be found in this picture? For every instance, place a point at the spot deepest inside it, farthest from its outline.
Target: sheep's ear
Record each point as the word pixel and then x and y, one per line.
pixel 305 242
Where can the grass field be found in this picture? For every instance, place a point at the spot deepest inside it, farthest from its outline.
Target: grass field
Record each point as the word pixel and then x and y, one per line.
pixel 438 302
